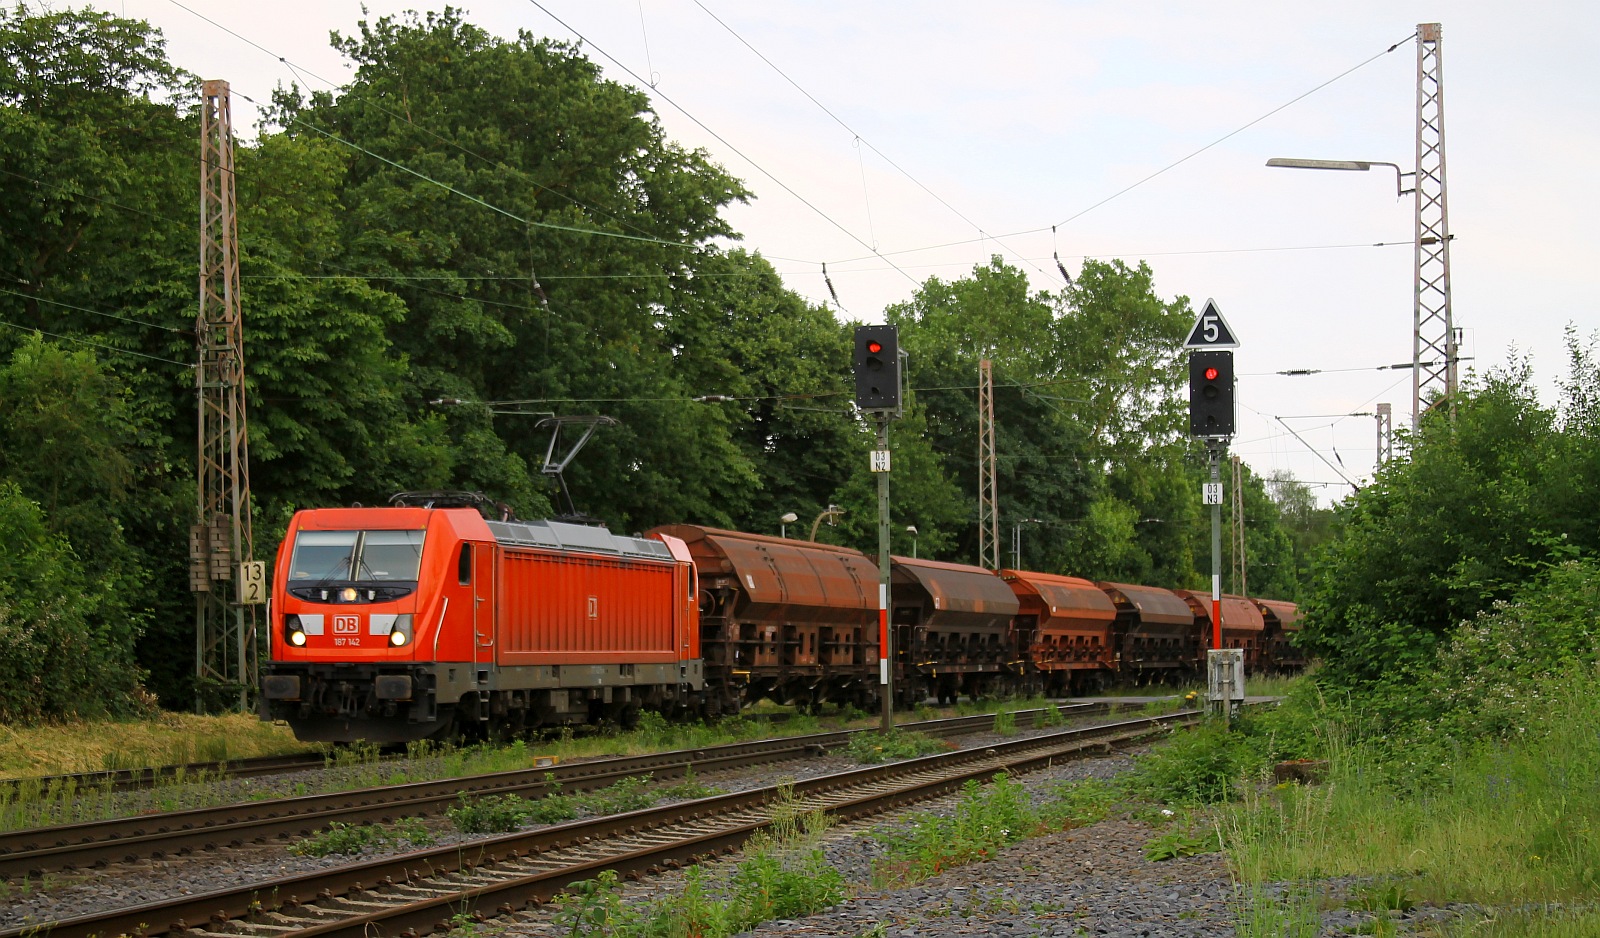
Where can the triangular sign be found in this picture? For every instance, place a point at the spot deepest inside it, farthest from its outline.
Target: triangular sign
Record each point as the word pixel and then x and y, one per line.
pixel 1211 330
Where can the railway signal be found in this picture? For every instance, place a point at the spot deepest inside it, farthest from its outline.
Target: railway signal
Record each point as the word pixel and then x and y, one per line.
pixel 1211 406
pixel 877 367
pixel 1211 417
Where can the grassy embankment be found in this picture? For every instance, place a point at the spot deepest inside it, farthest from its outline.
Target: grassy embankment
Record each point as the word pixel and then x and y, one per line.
pixel 1506 831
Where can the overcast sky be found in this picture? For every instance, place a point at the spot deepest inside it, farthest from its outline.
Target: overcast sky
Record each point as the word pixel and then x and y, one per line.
pixel 1013 117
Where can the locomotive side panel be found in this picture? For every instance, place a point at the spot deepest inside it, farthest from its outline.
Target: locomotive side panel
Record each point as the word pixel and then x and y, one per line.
pixel 555 609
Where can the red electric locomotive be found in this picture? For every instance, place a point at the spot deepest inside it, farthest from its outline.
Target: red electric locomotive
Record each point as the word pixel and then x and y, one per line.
pixel 401 623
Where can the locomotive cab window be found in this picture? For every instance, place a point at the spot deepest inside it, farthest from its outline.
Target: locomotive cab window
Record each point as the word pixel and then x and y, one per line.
pixel 464 565
pixel 356 556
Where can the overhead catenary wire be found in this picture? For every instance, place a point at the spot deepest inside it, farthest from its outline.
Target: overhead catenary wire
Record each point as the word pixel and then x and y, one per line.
pixel 740 153
pixel 859 140
pixel 1173 165
pixel 99 345
pixel 95 312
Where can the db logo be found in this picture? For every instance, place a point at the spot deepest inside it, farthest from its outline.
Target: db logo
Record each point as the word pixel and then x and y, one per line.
pixel 345 625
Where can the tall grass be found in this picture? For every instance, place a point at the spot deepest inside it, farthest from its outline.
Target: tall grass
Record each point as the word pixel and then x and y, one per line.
pixel 1502 823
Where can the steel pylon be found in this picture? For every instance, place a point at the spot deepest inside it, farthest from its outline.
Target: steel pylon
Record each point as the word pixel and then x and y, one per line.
pixel 1433 379
pixel 221 538
pixel 988 499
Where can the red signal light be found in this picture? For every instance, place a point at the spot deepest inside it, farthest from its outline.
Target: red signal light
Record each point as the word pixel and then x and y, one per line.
pixel 874 347
pixel 1211 374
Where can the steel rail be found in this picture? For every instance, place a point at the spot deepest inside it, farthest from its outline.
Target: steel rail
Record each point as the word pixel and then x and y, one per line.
pixel 133 779
pixel 95 844
pixel 493 859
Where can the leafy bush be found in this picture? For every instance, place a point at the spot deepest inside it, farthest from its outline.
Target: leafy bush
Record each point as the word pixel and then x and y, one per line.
pixel 493 814
pixel 629 794
pixel 1181 842
pixel 896 744
pixel 1079 804
pixel 345 839
pixel 987 818
pixel 1202 766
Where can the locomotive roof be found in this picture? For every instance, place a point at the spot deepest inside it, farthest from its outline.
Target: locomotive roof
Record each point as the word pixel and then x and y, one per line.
pixel 557 535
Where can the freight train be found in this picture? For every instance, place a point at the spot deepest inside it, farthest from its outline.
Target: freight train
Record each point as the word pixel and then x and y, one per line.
pixel 426 619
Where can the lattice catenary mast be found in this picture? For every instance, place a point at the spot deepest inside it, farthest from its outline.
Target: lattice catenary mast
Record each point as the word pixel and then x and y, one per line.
pixel 221 538
pixel 1434 351
pixel 988 500
pixel 1385 414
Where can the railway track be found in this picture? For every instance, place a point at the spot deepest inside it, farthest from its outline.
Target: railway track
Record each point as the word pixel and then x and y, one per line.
pixel 251 767
pixel 418 892
pixel 134 779
pixel 97 844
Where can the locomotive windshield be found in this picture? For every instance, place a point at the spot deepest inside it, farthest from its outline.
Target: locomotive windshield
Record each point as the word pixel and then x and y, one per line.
pixel 373 556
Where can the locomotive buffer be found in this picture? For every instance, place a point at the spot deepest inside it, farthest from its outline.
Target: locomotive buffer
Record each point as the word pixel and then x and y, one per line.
pixel 1211 418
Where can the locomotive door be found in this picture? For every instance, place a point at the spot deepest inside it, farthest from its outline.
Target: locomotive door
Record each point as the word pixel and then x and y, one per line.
pixel 482 611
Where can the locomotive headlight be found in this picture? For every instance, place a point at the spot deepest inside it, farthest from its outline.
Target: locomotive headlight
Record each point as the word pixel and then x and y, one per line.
pixel 348 594
pixel 293 631
pixel 401 633
pixel 297 638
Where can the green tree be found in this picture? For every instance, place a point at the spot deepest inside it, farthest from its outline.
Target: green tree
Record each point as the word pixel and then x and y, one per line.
pixel 1479 507
pixel 558 297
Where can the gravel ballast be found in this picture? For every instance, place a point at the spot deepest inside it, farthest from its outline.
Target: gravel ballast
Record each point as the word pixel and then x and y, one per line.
pixel 1091 881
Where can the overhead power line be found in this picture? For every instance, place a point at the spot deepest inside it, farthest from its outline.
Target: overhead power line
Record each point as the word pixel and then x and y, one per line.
pixel 856 134
pixel 740 153
pixel 98 345
pixel 1173 165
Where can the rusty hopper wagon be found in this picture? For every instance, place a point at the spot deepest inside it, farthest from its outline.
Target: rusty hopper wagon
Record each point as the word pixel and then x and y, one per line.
pixel 794 622
pixel 1242 624
pixel 952 625
pixel 1066 626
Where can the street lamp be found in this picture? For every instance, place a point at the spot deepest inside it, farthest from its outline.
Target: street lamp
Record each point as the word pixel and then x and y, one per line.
pixel 1280 162
pixel 1433 328
pixel 1016 539
pixel 832 513
pixel 787 519
pixel 911 529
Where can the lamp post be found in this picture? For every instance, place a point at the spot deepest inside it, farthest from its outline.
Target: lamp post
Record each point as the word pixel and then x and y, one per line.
pixel 832 513
pixel 1016 539
pixel 911 529
pixel 784 521
pixel 1434 346
pixel 1279 162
